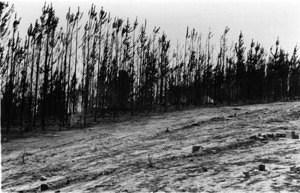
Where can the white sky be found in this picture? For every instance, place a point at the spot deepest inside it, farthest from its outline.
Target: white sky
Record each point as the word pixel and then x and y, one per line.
pixel 262 20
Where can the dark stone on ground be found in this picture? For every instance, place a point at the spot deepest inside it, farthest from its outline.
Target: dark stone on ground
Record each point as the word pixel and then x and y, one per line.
pixel 43 178
pixel 246 174
pixel 295 169
pixel 261 167
pixel 280 135
pixel 4 140
pixel 195 148
pixel 294 135
pixel 233 115
pixel 44 187
pixel 270 135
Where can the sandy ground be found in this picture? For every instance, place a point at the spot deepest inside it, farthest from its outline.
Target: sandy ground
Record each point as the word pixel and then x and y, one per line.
pixel 142 155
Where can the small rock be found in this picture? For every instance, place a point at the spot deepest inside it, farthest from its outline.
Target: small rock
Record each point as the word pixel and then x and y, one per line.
pixel 295 169
pixel 261 137
pixel 43 178
pixel 167 130
pixel 270 135
pixel 57 191
pixel 214 151
pixel 44 187
pixel 4 139
pixel 294 135
pixel 280 135
pixel 246 174
pixel 233 115
pixel 262 167
pixel 150 163
pixel 196 148
pixel 253 137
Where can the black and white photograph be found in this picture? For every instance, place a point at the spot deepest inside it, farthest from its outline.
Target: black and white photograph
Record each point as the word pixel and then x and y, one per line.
pixel 124 96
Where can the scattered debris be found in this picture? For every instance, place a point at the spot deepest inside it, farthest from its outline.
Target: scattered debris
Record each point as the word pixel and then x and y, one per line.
pixel 282 128
pixel 267 136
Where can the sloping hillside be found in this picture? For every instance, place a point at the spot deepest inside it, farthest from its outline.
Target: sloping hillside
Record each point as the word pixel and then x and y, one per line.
pixel 236 149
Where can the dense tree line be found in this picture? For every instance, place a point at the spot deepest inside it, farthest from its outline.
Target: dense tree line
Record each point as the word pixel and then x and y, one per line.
pixel 106 65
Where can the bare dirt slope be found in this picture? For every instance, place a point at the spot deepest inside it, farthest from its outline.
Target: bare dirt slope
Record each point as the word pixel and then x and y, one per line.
pixel 142 155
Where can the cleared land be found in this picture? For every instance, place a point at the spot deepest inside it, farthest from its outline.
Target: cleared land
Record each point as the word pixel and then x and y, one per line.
pixel 154 153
